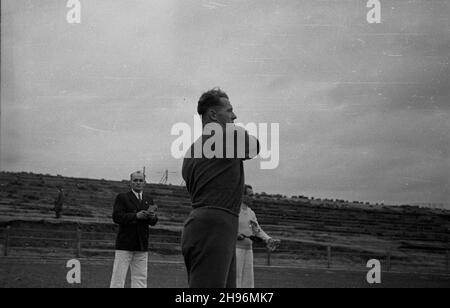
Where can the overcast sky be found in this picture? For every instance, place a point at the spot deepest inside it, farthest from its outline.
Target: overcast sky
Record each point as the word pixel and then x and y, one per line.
pixel 363 108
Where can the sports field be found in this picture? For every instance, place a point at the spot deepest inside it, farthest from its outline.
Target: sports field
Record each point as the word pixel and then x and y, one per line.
pixel 23 273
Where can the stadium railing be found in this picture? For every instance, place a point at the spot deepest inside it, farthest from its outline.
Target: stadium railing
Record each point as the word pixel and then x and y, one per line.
pixel 78 242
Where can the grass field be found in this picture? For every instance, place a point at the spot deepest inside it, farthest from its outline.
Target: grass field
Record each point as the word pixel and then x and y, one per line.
pixel 39 273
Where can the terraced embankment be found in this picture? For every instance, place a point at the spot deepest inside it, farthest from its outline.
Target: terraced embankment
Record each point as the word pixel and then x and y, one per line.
pixel 408 238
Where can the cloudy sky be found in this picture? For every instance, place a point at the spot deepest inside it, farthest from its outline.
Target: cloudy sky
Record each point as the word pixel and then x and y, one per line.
pixel 363 108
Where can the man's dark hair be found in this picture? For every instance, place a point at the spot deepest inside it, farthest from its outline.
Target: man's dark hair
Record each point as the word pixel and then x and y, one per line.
pixel 210 99
pixel 247 187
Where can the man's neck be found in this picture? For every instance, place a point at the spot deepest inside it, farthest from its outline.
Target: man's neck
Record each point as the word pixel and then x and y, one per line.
pixel 136 192
pixel 206 122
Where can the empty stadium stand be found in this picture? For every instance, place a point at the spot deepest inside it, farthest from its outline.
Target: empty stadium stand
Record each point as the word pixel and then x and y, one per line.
pixel 417 237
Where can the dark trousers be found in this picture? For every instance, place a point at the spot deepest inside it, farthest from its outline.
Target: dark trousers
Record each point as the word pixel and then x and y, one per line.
pixel 209 248
pixel 58 210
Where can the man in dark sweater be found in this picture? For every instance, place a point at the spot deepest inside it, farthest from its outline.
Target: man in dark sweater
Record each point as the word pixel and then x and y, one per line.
pixel 133 212
pixel 216 187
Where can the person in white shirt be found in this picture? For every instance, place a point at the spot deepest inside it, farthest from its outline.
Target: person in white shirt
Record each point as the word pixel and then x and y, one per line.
pixel 249 230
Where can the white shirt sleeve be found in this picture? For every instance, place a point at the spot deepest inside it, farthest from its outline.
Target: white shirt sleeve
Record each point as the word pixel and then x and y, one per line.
pixel 263 235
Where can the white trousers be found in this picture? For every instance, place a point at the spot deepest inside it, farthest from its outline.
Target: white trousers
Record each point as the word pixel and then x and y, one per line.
pixel 137 262
pixel 244 268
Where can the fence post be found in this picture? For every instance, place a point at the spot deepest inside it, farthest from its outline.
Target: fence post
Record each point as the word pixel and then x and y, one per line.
pixel 78 253
pixel 388 260
pixel 329 256
pixel 268 256
pixel 7 231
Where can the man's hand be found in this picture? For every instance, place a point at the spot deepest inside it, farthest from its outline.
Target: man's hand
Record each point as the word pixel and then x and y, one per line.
pixel 152 211
pixel 272 244
pixel 142 215
pixel 153 208
pixel 151 215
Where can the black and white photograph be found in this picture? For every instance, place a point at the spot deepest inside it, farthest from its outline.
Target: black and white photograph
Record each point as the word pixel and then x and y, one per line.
pixel 250 146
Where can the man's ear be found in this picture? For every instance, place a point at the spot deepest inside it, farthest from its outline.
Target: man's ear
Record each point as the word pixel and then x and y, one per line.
pixel 212 114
